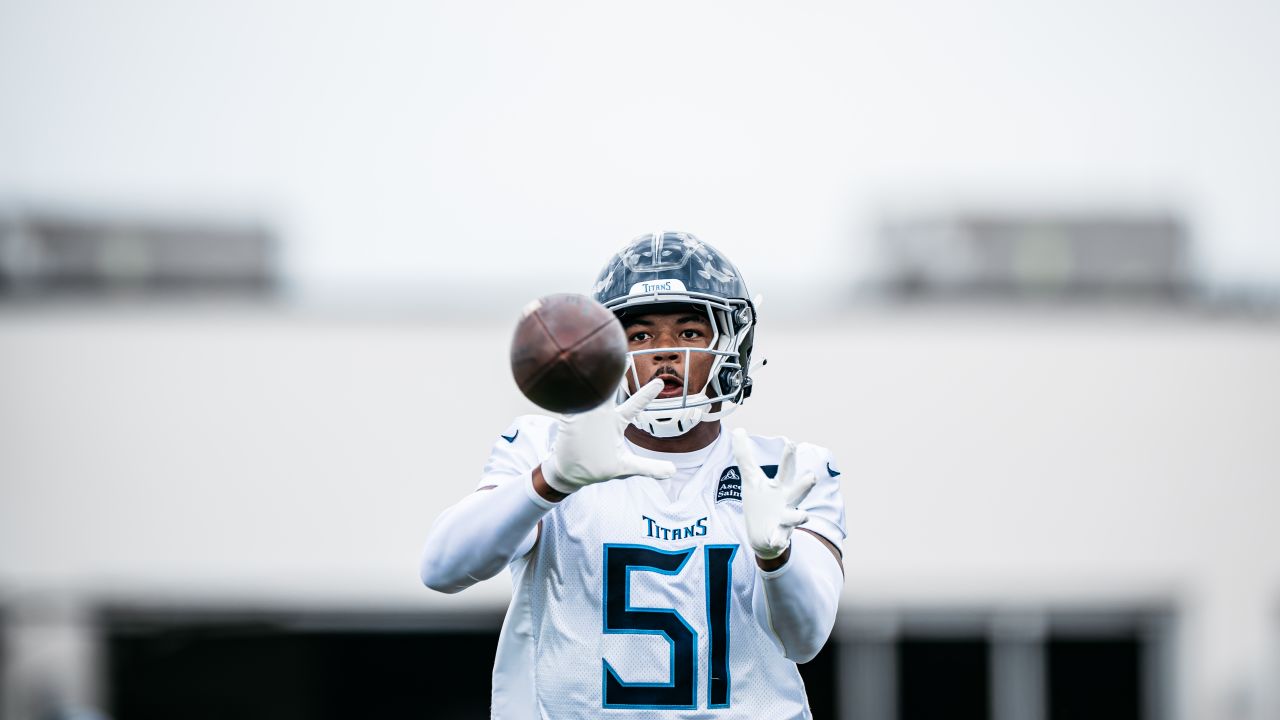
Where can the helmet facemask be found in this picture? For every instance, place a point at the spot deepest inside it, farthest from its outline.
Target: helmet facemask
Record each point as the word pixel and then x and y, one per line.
pixel 732 323
pixel 676 268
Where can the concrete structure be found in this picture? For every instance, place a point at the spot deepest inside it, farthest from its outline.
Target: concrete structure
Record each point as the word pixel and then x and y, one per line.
pixel 1018 461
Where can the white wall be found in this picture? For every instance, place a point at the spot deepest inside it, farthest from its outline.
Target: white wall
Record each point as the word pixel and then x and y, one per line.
pixel 269 457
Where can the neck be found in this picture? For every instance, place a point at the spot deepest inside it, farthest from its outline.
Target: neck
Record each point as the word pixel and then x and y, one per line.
pixel 702 435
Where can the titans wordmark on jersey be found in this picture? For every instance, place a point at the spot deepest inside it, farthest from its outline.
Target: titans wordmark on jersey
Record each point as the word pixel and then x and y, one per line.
pixel 634 605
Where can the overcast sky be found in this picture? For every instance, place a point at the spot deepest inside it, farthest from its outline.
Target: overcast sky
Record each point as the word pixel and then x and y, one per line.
pixel 416 142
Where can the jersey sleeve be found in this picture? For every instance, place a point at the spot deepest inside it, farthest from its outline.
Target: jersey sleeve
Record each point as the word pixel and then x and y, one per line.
pixel 517 450
pixel 825 502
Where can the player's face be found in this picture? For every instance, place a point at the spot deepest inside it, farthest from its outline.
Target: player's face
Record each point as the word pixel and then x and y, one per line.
pixel 666 333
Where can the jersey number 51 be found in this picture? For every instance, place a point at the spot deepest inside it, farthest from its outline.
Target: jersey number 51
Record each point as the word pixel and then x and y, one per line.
pixel 680 692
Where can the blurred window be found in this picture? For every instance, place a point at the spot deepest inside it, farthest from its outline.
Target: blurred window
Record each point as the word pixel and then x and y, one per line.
pixel 184 665
pixel 1094 678
pixel 83 255
pixel 285 670
pixel 943 678
pixel 1013 256
pixel 1025 665
pixel 820 676
pixel 4 670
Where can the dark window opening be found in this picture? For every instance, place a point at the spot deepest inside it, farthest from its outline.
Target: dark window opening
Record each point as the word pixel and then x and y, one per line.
pixel 1094 679
pixel 819 675
pixel 943 678
pixel 262 673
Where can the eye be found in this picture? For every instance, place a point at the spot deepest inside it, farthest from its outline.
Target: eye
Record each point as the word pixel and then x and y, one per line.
pixel 639 336
pixel 690 334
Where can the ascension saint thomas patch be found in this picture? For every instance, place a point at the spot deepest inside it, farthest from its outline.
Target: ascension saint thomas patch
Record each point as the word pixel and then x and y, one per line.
pixel 730 487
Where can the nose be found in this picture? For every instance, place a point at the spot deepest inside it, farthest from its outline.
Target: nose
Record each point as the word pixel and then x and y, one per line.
pixel 668 356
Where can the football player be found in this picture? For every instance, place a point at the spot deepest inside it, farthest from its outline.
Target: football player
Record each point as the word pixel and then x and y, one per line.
pixel 661 567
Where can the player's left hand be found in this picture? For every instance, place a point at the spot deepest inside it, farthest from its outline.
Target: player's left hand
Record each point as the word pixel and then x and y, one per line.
pixel 769 505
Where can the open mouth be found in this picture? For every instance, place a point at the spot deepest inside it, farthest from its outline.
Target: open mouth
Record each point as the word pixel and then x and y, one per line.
pixel 674 386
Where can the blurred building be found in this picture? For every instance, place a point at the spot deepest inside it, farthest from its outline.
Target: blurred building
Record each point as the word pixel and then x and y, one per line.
pixel 1021 254
pixel 54 253
pixel 259 265
pixel 1054 512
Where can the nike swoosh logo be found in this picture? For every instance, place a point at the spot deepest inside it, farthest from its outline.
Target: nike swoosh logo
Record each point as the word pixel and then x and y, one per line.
pixel 510 439
pixel 834 473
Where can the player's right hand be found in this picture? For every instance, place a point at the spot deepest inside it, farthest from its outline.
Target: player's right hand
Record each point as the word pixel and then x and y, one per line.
pixel 589 447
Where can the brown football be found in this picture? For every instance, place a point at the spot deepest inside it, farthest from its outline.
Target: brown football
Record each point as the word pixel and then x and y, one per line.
pixel 568 353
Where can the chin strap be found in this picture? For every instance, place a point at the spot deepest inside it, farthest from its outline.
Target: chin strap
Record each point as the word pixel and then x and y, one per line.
pixel 682 420
pixel 726 408
pixel 670 423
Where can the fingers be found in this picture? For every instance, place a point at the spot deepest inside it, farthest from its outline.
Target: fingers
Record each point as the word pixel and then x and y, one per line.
pixel 660 469
pixel 637 402
pixel 793 517
pixel 787 466
pixel 742 451
pixel 799 488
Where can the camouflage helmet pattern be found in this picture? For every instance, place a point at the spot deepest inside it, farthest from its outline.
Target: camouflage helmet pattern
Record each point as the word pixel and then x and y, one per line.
pixel 676 268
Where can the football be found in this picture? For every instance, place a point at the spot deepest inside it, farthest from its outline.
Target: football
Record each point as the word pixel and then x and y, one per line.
pixel 568 353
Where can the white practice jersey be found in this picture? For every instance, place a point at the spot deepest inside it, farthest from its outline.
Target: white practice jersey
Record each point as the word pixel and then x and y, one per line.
pixel 635 605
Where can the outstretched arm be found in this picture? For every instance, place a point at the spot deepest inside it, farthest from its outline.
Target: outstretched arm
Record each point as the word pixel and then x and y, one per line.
pixel 474 539
pixel 797 589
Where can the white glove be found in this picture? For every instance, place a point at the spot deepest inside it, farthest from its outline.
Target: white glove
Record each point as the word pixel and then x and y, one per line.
pixel 769 504
pixel 589 447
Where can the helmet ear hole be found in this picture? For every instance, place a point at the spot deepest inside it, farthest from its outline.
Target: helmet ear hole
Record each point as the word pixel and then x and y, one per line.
pixel 729 381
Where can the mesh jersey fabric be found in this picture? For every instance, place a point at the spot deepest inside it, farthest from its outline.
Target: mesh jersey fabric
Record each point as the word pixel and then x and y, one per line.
pixel 635 605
